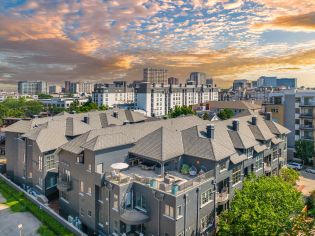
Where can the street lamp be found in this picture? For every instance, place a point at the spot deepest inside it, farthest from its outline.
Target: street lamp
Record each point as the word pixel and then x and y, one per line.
pixel 20 227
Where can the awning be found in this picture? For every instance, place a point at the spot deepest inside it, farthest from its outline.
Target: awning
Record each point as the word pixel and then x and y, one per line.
pixel 134 217
pixel 235 158
pixel 260 148
pixel 276 140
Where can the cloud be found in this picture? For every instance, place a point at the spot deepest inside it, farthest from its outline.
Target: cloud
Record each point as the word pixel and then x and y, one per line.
pixel 303 22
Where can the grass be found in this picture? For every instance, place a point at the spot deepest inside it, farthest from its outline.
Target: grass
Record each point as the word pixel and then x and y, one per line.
pixel 18 203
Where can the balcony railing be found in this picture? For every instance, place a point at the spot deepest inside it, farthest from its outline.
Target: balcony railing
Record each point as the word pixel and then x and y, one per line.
pixel 222 197
pixel 308 104
pixel 267 167
pixel 134 216
pixel 307 115
pixel 310 126
pixel 309 138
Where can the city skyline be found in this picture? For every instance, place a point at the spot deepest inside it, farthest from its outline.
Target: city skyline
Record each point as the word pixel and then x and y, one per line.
pixel 108 40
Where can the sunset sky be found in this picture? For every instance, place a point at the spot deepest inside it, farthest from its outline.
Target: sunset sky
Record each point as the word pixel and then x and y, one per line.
pixel 57 40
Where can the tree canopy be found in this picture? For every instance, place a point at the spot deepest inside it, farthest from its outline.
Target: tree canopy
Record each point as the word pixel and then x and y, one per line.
pixel 180 110
pixel 265 206
pixel 225 114
pixel 304 150
pixel 44 96
pixel 289 175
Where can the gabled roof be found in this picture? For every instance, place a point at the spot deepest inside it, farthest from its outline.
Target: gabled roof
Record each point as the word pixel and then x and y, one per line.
pixel 162 144
pixel 75 127
pixel 275 128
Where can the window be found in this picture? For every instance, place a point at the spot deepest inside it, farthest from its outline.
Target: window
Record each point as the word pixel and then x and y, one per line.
pixel 52 182
pixel 64 196
pixel 206 222
pixel 40 162
pixel 80 159
pixel 90 167
pixel 89 191
pixel 259 162
pixel 297 132
pixel 206 197
pixel 297 121
pixel 50 161
pixel 250 152
pixel 179 211
pixel 222 166
pixel 67 172
pixel 99 168
pixel 169 211
pixel 81 186
pixel 89 213
pixel 140 201
pixel 82 212
pixel 236 175
pixel 115 205
pixel 40 182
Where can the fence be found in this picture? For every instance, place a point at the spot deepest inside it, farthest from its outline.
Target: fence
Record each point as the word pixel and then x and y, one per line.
pixel 44 207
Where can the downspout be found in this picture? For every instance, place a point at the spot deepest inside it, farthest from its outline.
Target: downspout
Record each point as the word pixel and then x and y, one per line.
pixel 159 197
pixel 185 198
pixel 197 224
pixel 109 187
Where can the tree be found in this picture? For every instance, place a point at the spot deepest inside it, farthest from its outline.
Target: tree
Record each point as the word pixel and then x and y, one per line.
pixel 304 150
pixel 178 111
pixel 289 175
pixel 44 96
pixel 205 116
pixel 265 206
pixel 225 114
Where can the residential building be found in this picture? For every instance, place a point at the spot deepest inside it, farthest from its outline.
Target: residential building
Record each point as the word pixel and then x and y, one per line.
pixel 62 102
pixel 53 89
pixel 32 87
pixel 173 80
pixel 274 82
pixel 32 145
pixel 157 99
pixel 289 83
pixel 111 95
pixel 79 87
pixel 241 84
pixel 155 75
pixel 210 82
pixel 265 81
pixel 294 109
pixel 165 177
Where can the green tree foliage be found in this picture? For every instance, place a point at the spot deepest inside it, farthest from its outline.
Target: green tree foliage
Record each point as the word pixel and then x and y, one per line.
pixel 225 114
pixel 265 206
pixel 44 96
pixel 205 116
pixel 86 107
pixel 289 175
pixel 180 110
pixel 304 150
pixel 19 108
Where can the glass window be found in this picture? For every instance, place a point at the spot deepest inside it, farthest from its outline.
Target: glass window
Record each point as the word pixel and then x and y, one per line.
pixel 89 191
pixel 81 186
pixel 236 175
pixel 140 201
pixel 99 168
pixel 115 205
pixel 52 181
pixel 206 197
pixel 259 162
pixel 169 211
pixel 50 161
pixel 222 166
pixel 40 162
pixel 206 222
pixel 179 211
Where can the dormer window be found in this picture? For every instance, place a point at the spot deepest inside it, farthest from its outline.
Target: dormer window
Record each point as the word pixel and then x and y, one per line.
pixel 222 166
pixel 80 158
pixel 268 144
pixel 249 152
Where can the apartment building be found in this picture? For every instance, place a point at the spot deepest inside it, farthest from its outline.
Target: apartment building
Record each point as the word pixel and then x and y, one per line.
pixel 155 75
pixel 198 78
pixel 294 109
pixel 241 84
pixel 114 94
pixel 79 87
pixel 53 89
pixel 31 145
pixel 165 177
pixel 62 102
pixel 32 87
pixel 157 100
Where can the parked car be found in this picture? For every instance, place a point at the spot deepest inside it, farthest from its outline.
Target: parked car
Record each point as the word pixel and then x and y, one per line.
pixel 310 170
pixel 295 166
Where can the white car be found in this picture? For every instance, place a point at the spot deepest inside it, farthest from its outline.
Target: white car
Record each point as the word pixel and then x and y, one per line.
pixel 310 170
pixel 295 166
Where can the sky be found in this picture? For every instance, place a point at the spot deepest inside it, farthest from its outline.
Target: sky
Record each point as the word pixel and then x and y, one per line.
pixel 105 40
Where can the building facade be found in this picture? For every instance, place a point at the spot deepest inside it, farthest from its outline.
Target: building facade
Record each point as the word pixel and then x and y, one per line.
pixel 176 175
pixel 173 80
pixel 62 102
pixel 32 87
pixel 157 100
pixel 155 75
pixel 79 87
pixel 53 89
pixel 112 95
pixel 241 84
pixel 198 78
pixel 294 109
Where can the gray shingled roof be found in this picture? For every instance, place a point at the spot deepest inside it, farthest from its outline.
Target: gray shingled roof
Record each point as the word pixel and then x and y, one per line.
pixel 161 144
pixel 75 127
pixel 275 128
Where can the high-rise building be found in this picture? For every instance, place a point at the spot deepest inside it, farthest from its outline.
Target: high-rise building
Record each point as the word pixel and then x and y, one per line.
pixel 265 81
pixel 155 75
pixel 289 83
pixel 157 100
pixel 79 87
pixel 55 89
pixel 32 87
pixel 173 80
pixel 198 77
pixel 241 84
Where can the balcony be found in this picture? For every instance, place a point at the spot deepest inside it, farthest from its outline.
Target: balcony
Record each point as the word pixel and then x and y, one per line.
pixel 307 127
pixel 63 184
pixel 308 138
pixel 307 115
pixel 308 104
pixel 133 216
pixel 222 197
pixel 267 167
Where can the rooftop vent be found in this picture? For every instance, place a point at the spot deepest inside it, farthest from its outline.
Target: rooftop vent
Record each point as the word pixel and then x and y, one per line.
pixel 115 114
pixel 210 131
pixel 254 120
pixel 86 119
pixel 268 116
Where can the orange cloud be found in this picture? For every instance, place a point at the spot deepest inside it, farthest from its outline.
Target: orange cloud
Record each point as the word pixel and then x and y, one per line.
pixel 303 22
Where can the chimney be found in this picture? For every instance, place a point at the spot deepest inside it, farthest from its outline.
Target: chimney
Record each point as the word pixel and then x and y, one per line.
pixel 115 114
pixel 210 131
pixel 254 120
pixel 86 119
pixel 268 116
pixel 236 125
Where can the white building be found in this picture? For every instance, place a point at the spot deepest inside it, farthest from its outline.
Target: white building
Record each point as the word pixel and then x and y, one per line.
pixel 79 87
pixel 112 95
pixel 157 100
pixel 62 102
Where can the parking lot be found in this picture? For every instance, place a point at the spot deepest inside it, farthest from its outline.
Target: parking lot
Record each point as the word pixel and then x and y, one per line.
pixel 306 182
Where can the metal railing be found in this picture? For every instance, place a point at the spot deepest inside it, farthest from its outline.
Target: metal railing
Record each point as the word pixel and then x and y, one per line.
pixel 222 197
pixel 310 126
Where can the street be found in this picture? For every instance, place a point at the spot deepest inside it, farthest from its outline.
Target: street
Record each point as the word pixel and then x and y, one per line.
pixel 306 182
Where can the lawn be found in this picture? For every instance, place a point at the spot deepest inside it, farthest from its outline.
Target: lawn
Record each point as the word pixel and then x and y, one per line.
pixel 18 203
